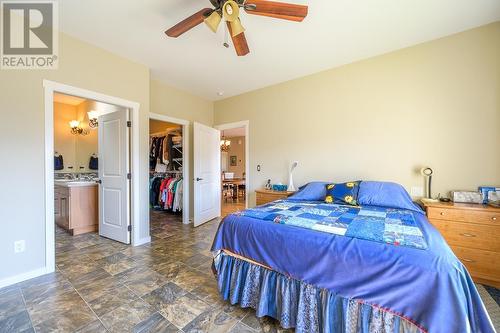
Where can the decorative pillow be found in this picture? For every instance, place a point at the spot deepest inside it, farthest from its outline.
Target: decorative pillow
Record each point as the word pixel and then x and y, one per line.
pixel 343 193
pixel 313 191
pixel 385 194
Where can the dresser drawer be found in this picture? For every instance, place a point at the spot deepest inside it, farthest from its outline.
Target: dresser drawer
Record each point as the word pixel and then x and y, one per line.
pixel 480 263
pixel 484 237
pixel 462 215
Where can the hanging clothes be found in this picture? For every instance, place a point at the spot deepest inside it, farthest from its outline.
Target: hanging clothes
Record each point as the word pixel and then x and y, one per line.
pixel 161 148
pixel 165 193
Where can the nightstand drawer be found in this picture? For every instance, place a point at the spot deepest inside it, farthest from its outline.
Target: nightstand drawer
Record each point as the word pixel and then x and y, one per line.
pixel 265 196
pixel 469 235
pixel 462 215
pixel 480 263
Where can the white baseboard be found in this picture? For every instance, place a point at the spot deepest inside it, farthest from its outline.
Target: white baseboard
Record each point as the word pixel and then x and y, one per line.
pixel 23 277
pixel 142 241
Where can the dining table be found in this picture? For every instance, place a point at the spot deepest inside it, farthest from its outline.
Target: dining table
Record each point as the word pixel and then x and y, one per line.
pixel 236 182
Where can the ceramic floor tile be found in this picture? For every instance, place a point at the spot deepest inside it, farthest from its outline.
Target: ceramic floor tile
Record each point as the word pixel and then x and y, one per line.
pixel 155 324
pixel 241 328
pixel 126 316
pixel 68 321
pixel 164 286
pixel 18 322
pixel 11 303
pixel 112 300
pixel 211 322
pixel 183 310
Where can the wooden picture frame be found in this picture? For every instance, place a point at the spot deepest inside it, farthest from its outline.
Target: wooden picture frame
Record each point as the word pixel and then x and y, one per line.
pixel 232 160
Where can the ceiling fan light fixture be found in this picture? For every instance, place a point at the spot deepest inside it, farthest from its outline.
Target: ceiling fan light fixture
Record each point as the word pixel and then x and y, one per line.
pixel 230 11
pixel 236 28
pixel 213 21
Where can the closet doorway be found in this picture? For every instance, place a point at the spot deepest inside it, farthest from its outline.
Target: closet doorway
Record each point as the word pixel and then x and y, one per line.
pixel 168 172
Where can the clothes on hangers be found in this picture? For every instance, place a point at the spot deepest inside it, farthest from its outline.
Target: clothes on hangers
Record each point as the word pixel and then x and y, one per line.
pixel 160 148
pixel 166 193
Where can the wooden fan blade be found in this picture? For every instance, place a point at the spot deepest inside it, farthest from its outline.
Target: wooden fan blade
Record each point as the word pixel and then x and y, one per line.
pixel 189 23
pixel 240 42
pixel 281 10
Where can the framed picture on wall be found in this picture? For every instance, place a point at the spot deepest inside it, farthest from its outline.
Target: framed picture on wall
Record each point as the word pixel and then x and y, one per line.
pixel 232 160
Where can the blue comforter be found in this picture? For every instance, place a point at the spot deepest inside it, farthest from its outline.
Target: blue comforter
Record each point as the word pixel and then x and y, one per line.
pixel 430 287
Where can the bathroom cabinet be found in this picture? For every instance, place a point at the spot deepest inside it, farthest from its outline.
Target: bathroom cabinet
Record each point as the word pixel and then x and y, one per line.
pixel 76 208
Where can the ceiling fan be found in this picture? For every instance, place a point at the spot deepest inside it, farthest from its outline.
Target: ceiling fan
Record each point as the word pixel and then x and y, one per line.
pixel 229 10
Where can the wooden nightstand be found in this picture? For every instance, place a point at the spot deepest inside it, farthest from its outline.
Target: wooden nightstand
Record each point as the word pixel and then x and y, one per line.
pixel 473 233
pixel 265 196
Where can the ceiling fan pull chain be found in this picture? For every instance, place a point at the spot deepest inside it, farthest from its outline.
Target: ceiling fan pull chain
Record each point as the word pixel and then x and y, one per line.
pixel 226 37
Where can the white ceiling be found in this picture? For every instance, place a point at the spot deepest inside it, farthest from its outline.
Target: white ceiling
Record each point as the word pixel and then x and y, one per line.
pixel 335 32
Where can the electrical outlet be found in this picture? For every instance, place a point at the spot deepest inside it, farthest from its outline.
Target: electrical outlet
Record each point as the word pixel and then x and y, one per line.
pixel 417 191
pixel 19 246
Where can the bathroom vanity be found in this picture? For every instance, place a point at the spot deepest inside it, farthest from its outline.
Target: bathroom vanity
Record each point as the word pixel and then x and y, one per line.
pixel 76 206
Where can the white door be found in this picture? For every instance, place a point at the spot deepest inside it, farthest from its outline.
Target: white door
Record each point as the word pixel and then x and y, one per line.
pixel 207 175
pixel 114 166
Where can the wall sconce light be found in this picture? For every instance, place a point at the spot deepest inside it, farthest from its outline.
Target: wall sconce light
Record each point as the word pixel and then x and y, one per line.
pixel 93 118
pixel 76 129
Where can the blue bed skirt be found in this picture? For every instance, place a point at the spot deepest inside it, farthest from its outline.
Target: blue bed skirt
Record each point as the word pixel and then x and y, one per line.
pixel 299 305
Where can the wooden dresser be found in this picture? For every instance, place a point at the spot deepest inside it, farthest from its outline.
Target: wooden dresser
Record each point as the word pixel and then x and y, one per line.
pixel 473 233
pixel 265 196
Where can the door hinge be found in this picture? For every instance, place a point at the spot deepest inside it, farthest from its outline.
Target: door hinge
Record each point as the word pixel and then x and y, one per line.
pixel 129 123
pixel 129 228
pixel 129 175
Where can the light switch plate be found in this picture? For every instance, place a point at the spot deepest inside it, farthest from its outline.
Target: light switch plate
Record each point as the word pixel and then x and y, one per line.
pixel 19 246
pixel 417 191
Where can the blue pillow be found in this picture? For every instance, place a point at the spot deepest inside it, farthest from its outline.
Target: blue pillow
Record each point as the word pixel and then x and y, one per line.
pixel 343 193
pixel 385 194
pixel 313 191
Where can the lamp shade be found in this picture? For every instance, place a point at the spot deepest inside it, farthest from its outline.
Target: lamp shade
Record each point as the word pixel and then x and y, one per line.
pixel 213 21
pixel 236 27
pixel 74 123
pixel 426 171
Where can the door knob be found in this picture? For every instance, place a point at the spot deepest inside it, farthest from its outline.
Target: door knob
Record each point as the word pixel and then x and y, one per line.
pixel 198 179
pixel 98 181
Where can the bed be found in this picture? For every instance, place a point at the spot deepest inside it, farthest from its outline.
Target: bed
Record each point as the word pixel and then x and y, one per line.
pixel 291 260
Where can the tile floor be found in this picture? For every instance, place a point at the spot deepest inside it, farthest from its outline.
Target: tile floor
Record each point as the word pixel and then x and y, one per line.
pixel 104 286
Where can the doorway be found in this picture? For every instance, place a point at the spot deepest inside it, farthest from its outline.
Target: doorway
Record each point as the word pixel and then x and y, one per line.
pixel 118 203
pixel 234 146
pixel 169 165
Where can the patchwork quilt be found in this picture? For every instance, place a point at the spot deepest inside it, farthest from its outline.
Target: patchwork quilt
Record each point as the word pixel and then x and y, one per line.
pixel 378 224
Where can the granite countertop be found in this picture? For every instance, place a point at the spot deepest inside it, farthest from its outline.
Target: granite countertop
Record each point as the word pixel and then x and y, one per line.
pixel 74 183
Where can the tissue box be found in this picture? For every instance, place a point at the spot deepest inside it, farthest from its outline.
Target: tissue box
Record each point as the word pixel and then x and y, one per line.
pixel 279 187
pixel 466 196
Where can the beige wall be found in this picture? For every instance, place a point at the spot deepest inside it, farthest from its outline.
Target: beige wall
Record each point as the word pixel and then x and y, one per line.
pixel 158 126
pixel 237 148
pixel 22 137
pixel 75 149
pixel 64 141
pixel 172 102
pixel 433 104
pixel 86 145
